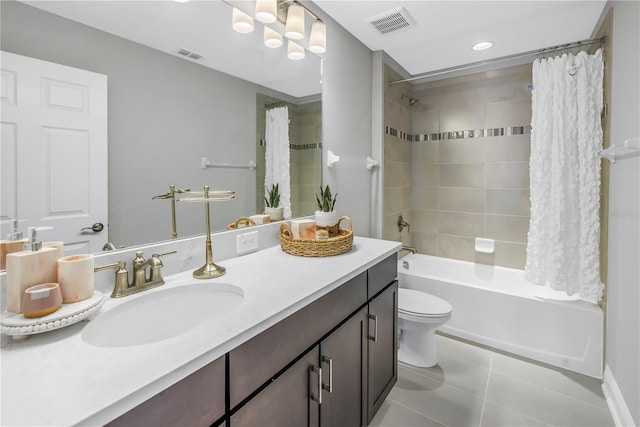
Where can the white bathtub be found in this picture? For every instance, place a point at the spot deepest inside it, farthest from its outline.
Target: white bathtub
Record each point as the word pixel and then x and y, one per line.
pixel 497 307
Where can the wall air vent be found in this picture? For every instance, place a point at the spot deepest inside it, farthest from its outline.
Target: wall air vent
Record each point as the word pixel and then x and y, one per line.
pixel 392 21
pixel 188 54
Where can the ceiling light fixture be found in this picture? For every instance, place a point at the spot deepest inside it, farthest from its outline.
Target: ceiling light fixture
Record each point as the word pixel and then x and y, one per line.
pixel 295 51
pixel 272 38
pixel 294 29
pixel 318 37
pixel 267 11
pixel 482 45
pixel 241 22
pixel 291 13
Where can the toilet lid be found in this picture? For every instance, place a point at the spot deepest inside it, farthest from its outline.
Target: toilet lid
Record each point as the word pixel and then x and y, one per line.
pixel 422 304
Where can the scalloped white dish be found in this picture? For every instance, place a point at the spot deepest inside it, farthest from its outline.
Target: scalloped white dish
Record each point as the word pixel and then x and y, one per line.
pixel 18 326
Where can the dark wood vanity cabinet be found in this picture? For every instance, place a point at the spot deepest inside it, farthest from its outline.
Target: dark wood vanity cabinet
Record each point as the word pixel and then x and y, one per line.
pixel 331 363
pixel 325 387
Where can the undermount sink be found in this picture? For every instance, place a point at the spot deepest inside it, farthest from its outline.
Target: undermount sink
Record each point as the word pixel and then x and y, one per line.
pixel 162 314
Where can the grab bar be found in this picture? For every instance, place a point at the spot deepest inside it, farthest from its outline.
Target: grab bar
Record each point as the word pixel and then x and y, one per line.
pixel 205 163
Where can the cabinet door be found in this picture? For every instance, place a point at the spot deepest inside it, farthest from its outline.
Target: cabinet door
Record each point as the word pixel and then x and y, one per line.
pixel 343 356
pixel 255 362
pixel 288 400
pixel 383 344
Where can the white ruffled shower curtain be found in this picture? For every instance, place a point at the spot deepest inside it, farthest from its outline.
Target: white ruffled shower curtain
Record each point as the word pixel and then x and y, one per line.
pixel 566 135
pixel 277 155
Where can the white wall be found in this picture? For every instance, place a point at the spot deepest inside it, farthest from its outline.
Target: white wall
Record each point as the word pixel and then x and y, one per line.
pixel 623 289
pixel 346 123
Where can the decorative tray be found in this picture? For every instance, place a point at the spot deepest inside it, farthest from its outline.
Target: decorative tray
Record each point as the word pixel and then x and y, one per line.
pixel 18 326
pixel 336 245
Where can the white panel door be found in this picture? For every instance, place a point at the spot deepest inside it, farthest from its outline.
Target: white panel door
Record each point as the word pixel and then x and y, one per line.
pixel 54 151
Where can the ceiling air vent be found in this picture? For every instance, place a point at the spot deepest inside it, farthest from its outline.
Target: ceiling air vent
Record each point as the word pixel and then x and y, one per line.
pixel 188 54
pixel 392 21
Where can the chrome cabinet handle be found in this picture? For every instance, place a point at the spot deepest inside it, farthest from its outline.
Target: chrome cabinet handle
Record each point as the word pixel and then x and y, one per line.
pixel 374 337
pixel 329 361
pixel 318 371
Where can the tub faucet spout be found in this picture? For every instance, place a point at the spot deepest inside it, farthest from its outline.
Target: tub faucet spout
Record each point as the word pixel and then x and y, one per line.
pixel 409 248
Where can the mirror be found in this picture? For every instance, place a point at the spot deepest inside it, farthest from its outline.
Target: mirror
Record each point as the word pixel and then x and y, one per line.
pixel 166 110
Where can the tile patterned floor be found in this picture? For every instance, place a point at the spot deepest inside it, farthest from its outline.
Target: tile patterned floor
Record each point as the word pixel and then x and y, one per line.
pixel 475 386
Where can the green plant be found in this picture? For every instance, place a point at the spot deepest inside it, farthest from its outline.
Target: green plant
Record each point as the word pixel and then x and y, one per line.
pixel 272 199
pixel 325 202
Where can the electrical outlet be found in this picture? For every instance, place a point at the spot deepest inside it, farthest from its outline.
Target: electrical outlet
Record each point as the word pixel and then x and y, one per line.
pixel 247 242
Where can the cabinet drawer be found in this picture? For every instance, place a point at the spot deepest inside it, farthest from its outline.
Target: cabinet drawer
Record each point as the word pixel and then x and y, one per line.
pixel 197 400
pixel 256 361
pixel 381 274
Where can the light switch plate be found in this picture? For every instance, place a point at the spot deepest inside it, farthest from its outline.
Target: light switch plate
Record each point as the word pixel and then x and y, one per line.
pixel 247 242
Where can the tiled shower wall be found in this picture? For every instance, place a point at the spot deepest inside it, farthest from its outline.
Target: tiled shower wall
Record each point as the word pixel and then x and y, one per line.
pixel 465 187
pixel 306 158
pixel 397 159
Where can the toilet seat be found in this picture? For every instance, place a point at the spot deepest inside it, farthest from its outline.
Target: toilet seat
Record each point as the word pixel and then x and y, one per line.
pixel 421 304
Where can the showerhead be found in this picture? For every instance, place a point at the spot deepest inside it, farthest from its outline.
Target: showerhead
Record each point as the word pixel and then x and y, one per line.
pixel 412 101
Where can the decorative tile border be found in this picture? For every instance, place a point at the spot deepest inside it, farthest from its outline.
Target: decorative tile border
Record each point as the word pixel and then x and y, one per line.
pixel 460 134
pixel 316 146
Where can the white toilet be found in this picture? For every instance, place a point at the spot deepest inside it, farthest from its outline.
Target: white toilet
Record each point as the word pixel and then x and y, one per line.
pixel 419 315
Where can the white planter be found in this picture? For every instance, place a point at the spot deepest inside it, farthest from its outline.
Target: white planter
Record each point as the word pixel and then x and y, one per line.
pixel 276 214
pixel 326 219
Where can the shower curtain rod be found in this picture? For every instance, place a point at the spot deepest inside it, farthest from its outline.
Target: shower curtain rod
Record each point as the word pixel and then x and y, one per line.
pixel 275 105
pixel 544 51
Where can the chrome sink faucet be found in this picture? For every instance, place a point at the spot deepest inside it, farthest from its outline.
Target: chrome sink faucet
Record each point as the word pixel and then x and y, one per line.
pixel 141 281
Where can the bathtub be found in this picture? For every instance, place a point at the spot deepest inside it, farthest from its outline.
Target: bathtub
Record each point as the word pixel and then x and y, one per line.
pixel 497 307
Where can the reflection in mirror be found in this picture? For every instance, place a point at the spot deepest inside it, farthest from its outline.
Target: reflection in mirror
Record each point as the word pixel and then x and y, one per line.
pixel 167 111
pixel 305 151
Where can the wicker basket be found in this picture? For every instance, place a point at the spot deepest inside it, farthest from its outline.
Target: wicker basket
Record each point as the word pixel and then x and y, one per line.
pixel 337 245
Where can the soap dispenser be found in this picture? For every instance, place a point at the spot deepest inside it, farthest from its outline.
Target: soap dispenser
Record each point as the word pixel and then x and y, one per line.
pixel 14 243
pixel 34 266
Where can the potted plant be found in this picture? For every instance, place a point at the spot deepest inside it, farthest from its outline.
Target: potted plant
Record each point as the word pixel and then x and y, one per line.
pixel 326 216
pixel 272 202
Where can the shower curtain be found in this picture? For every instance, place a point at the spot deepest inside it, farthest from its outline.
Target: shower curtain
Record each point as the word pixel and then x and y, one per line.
pixel 564 232
pixel 277 155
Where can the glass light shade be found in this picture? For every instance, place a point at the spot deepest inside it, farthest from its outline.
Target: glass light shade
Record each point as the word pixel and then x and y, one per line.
pixel 294 29
pixel 266 11
pixel 295 51
pixel 272 38
pixel 318 37
pixel 241 22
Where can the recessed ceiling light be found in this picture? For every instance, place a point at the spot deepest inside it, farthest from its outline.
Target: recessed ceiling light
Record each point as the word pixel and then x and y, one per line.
pixel 180 1
pixel 482 45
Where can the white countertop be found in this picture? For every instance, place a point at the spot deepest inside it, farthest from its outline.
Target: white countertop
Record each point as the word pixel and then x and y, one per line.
pixel 56 378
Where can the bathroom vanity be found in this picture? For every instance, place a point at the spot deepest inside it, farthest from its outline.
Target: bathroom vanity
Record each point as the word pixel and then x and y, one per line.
pixel 313 342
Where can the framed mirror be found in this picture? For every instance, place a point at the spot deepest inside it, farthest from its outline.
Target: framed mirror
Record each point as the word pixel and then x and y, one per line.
pixel 182 86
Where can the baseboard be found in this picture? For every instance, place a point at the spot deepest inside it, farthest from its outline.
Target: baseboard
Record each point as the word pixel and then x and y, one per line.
pixel 617 406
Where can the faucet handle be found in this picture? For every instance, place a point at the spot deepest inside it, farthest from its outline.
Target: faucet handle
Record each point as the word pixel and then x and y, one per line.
pixel 155 264
pixel 166 253
pixel 122 277
pixel 139 259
